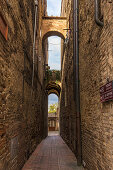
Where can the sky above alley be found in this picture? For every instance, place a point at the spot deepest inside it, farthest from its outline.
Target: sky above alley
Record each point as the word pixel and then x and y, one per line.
pixel 54 50
pixel 54 61
pixel 52 99
pixel 53 7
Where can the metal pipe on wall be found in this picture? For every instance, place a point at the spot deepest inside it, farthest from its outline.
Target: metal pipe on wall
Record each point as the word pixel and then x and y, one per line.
pixel 34 40
pixel 97 20
pixel 76 77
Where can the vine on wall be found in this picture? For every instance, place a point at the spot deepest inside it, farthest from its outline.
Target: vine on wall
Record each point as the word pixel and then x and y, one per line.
pixel 53 75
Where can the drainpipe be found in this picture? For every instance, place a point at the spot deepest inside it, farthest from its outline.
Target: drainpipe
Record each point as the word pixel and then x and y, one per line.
pixel 76 77
pixel 34 40
pixel 97 20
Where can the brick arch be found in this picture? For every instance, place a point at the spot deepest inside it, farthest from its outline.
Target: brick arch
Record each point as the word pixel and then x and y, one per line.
pixel 52 33
pixel 54 26
pixel 52 87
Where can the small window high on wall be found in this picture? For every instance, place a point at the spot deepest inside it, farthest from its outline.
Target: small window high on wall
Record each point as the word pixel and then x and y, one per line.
pixel 53 7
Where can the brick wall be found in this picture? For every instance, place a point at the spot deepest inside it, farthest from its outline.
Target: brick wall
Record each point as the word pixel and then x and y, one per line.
pixel 96 52
pixel 54 24
pixel 96 47
pixel 67 103
pixel 21 114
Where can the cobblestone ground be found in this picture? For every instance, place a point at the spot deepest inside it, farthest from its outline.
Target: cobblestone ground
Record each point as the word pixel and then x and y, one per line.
pixel 52 154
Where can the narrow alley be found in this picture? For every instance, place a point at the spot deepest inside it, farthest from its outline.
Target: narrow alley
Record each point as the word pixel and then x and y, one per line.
pixel 56 84
pixel 52 154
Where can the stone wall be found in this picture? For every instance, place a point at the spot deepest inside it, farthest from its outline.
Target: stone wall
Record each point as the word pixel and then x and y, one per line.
pixel 96 66
pixel 21 109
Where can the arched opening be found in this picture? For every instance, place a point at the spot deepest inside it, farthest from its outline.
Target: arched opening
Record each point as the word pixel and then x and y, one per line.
pixel 53 87
pixel 53 49
pixel 52 33
pixel 53 54
pixel 53 114
pixel 52 8
pixel 53 91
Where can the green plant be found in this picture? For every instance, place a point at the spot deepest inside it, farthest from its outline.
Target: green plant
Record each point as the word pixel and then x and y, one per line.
pixel 49 74
pixel 53 108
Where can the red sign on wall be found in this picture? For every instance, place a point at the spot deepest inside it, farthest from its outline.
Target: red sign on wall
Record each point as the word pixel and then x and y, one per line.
pixel 106 92
pixel 3 27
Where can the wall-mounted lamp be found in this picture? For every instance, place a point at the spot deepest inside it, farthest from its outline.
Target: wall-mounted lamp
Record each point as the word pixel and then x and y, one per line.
pixel 67 35
pixel 46 91
pixel 36 2
pixel 46 66
pixel 107 80
pixel 67 38
pixel 8 4
pixel 39 58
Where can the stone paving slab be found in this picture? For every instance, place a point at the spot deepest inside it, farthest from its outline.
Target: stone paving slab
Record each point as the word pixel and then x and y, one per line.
pixel 52 154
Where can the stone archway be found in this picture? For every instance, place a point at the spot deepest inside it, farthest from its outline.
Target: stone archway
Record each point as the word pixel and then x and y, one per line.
pixel 54 26
pixel 53 33
pixel 53 117
pixel 53 87
pixel 49 34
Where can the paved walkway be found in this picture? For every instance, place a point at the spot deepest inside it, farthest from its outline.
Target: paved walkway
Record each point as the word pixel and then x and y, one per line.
pixel 53 133
pixel 52 154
